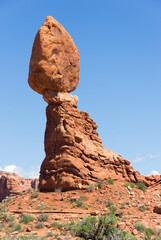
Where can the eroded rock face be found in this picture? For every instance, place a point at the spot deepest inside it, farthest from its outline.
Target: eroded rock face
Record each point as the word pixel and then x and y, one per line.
pixel 54 63
pixel 75 156
pixel 13 184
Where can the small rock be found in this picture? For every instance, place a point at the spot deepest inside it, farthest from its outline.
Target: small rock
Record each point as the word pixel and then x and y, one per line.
pixel 28 229
pixel 121 225
pixel 135 232
pixel 95 213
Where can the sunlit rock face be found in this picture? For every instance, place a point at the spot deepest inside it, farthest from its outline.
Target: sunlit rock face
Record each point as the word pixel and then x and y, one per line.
pixel 54 63
pixel 75 157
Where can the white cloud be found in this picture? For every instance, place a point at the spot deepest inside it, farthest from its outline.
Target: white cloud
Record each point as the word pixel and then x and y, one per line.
pixel 33 173
pixel 0 169
pixel 146 157
pixel 12 168
pixel 139 159
pixel 154 172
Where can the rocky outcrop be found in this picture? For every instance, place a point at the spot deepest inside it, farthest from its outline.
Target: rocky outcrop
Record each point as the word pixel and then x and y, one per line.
pixel 54 63
pixel 12 184
pixel 75 156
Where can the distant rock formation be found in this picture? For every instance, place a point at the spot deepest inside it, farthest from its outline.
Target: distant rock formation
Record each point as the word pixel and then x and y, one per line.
pixel 75 156
pixel 13 184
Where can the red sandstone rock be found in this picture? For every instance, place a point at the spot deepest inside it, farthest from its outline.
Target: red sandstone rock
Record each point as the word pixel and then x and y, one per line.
pixel 54 63
pixel 157 209
pixel 11 184
pixel 75 156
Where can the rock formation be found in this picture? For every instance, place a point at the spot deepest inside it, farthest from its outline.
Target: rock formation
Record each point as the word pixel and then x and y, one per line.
pixel 12 184
pixel 54 63
pixel 75 156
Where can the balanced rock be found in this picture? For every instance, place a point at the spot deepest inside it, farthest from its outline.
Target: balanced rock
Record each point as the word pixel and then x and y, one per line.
pixel 54 63
pixel 75 157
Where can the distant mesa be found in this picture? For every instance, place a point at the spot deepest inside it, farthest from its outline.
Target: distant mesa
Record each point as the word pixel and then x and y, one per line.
pixel 54 63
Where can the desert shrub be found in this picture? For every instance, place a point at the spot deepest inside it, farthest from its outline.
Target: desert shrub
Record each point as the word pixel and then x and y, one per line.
pixel 100 183
pixel 109 203
pixel 148 233
pixel 49 234
pixel 91 188
pixel 17 227
pixel 141 186
pixel 113 209
pixel 142 208
pixel 43 217
pixel 39 225
pixel 26 219
pixel 83 198
pixel 123 205
pixel 72 200
pixel 100 228
pixel 110 181
pixel 42 206
pixel 57 225
pixel 34 194
pixel 56 235
pixel 140 227
pixel 8 200
pixel 79 203
pixel 131 184
pixel 11 224
pixel 1 226
pixel 120 214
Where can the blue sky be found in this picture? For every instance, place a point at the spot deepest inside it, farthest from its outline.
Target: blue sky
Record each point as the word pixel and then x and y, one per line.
pixel 120 78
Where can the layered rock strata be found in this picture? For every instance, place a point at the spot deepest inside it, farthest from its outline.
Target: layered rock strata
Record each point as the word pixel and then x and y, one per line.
pixel 75 156
pixel 13 184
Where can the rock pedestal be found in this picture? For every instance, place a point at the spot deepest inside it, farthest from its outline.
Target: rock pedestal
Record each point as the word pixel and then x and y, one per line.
pixel 75 156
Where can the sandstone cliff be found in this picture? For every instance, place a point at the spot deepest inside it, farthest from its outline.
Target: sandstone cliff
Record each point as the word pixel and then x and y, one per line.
pixel 12 184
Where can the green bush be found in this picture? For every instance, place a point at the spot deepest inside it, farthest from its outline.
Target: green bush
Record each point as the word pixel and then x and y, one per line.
pixel 110 181
pixel 113 209
pixel 43 217
pixel 35 194
pixel 141 186
pixel 17 227
pixel 91 188
pixel 131 184
pixel 50 234
pixel 148 233
pixel 140 227
pixel 109 203
pixel 100 183
pixel 79 203
pixel 57 225
pixel 42 206
pixel 100 228
pixel 26 219
pixel 39 225
pixel 83 198
pixel 142 208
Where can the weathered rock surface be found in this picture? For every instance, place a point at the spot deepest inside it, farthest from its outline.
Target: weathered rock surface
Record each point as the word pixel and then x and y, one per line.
pixel 54 63
pixel 157 209
pixel 75 156
pixel 12 184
